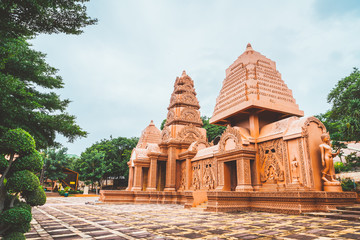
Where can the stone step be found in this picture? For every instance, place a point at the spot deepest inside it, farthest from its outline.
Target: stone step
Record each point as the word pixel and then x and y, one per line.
pixel 350 208
pixel 333 215
pixel 345 211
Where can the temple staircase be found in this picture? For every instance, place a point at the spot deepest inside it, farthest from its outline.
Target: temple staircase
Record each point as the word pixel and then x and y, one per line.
pixel 351 213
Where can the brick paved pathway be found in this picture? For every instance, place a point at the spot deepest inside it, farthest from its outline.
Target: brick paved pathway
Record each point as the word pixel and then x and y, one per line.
pixel 71 218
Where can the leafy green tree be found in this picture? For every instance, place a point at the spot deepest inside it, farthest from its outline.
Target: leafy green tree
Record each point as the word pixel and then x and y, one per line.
pixel 343 119
pixel 92 168
pixel 54 162
pixel 28 18
pixel 23 71
pixel 117 153
pixel 24 105
pixel 18 177
pixel 163 124
pixel 212 131
pixel 344 115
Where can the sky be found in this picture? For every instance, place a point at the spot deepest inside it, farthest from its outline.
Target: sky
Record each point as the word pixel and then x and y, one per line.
pixel 120 73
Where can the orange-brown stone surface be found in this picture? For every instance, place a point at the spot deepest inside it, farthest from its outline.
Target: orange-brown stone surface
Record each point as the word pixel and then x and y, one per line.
pixel 267 159
pixel 252 82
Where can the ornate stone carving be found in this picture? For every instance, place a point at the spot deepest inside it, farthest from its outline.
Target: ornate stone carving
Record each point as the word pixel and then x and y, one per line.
pixel 165 134
pixel 230 133
pixel 190 99
pixel 195 167
pixel 302 162
pixel 170 116
pixel 271 167
pixel 190 134
pixel 208 174
pixel 295 170
pixel 190 115
pixel 182 176
pixel 305 131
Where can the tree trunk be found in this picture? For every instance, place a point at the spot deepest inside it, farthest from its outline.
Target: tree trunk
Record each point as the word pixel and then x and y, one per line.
pixel 7 170
pixel 2 198
pixel 42 175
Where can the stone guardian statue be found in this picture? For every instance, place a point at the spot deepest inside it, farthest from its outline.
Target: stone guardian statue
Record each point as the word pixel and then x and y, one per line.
pixel 328 170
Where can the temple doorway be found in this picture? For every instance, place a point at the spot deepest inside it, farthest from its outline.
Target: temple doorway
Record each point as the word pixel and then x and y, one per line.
pixel 161 176
pixel 145 175
pixel 230 176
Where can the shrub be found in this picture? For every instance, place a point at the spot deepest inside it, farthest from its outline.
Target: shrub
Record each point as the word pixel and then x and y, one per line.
pixel 23 228
pixel 15 236
pixel 23 181
pixel 67 188
pixel 17 141
pixel 36 197
pixel 16 215
pixel 348 184
pixel 62 192
pixel 32 162
pixel 23 205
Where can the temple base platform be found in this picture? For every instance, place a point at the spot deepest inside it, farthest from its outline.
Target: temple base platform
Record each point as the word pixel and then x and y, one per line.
pixel 295 202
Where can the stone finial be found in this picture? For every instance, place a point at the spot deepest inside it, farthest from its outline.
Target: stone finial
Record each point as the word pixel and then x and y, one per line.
pixel 248 47
pixel 183 73
pixel 152 123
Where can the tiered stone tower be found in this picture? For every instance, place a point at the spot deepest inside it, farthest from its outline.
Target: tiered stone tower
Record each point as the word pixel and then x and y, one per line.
pixel 184 106
pixel 253 88
pixel 182 127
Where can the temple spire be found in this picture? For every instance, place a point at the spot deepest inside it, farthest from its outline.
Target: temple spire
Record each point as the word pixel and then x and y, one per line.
pixel 248 47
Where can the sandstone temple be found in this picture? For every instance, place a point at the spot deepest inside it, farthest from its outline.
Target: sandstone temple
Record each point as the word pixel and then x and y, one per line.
pixel 269 158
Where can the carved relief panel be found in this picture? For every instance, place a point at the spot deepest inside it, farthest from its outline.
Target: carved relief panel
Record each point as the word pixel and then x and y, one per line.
pixel 203 174
pixel 195 183
pixel 208 174
pixel 182 176
pixel 271 161
pixel 190 134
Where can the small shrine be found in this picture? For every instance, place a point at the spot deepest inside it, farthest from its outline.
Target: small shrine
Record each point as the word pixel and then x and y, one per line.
pixel 269 158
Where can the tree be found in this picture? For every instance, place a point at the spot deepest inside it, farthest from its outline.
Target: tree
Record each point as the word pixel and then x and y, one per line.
pixel 212 131
pixel 23 71
pixel 116 152
pixel 54 162
pixel 92 167
pixel 28 18
pixel 344 115
pixel 23 105
pixel 18 178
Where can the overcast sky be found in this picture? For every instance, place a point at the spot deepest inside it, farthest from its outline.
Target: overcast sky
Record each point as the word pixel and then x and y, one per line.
pixel 120 73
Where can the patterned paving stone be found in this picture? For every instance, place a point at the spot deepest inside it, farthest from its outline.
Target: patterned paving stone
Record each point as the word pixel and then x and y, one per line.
pixel 71 218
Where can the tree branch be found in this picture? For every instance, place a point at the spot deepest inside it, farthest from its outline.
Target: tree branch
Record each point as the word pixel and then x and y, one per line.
pixel 7 170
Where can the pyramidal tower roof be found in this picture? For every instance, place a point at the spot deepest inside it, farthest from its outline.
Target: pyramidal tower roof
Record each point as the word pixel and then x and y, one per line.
pixel 252 83
pixel 151 134
pixel 184 105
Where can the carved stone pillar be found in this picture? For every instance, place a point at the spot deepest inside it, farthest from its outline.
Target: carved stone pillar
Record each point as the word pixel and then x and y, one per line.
pixel 152 175
pixel 243 175
pixel 137 179
pixel 221 172
pixel 188 178
pixel 171 169
pixel 254 132
pixel 131 179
